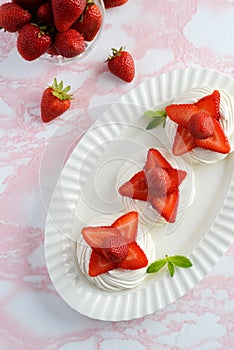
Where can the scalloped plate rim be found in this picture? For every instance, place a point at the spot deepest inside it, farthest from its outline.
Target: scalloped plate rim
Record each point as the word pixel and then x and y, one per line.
pixel 181 275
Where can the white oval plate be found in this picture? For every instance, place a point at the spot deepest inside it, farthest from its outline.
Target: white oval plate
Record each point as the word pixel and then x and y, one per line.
pixel 84 191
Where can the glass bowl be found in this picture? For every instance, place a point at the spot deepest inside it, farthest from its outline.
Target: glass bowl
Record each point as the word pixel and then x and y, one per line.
pixel 58 59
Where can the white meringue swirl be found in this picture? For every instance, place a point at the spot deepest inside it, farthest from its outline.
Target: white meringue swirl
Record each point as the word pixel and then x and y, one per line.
pixel 148 215
pixel 200 155
pixel 117 279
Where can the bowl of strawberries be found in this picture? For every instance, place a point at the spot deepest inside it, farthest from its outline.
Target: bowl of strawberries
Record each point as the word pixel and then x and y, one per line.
pixel 60 31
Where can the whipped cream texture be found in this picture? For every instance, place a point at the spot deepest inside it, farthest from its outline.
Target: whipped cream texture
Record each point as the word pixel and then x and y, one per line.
pixel 148 215
pixel 200 155
pixel 117 279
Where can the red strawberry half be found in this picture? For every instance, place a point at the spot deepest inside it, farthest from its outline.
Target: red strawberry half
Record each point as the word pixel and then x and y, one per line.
pixel 98 264
pixel 181 113
pixel 155 159
pixel 183 141
pixel 163 181
pixel 166 206
pixel 198 125
pixel 159 183
pixel 95 236
pixel 127 225
pixel 201 125
pixel 136 258
pixel 218 142
pixel 136 187
pixel 176 177
pixel 210 104
pixel 114 246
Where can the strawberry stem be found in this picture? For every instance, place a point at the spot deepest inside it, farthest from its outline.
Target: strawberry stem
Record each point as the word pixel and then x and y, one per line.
pixel 59 91
pixel 89 2
pixel 115 53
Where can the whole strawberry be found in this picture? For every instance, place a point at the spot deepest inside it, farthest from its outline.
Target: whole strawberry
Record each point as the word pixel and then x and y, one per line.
pixel 32 41
pixel 55 101
pixel 45 15
pixel 52 50
pixel 29 4
pixel 90 21
pixel 121 64
pixel 13 17
pixel 66 12
pixel 201 125
pixel 113 3
pixel 69 44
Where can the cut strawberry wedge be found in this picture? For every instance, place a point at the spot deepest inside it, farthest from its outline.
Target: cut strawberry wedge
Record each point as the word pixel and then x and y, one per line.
pixel 136 258
pixel 136 187
pixel 163 191
pixel 95 236
pixel 158 181
pixel 210 104
pixel 98 264
pixel 218 142
pixel 183 141
pixel 166 206
pixel 127 225
pixel 181 113
pixel 176 177
pixel 155 159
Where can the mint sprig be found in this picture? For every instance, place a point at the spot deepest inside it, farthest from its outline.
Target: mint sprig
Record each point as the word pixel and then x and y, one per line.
pixel 172 262
pixel 158 117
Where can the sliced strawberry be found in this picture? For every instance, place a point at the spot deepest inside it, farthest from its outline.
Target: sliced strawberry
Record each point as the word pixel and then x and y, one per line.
pixel 210 104
pixel 98 264
pixel 115 249
pixel 176 177
pixel 166 206
pixel 136 187
pixel 127 225
pixel 158 181
pixel 183 141
pixel 95 236
pixel 136 258
pixel 201 125
pixel 181 113
pixel 155 159
pixel 218 142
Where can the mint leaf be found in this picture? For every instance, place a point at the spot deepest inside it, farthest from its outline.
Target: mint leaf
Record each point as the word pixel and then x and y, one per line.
pixel 156 265
pixel 171 268
pixel 150 114
pixel 158 118
pixel 171 261
pixel 180 260
pixel 155 114
pixel 155 122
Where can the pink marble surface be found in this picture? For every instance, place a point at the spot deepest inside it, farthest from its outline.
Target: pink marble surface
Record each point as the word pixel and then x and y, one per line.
pixel 161 35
